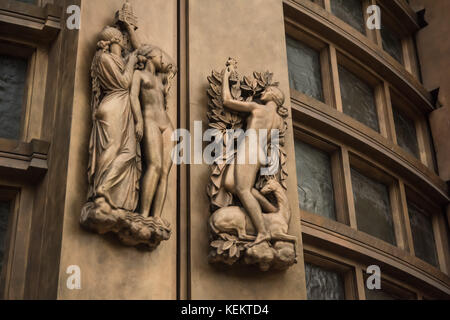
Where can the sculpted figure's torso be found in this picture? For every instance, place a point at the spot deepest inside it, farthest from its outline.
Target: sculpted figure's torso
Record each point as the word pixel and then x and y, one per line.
pixel 240 178
pixel 148 98
pixel 265 117
pixel 130 84
pixel 152 99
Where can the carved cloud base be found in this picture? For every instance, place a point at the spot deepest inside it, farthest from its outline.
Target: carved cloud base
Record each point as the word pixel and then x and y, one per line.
pixel 132 229
pixel 228 249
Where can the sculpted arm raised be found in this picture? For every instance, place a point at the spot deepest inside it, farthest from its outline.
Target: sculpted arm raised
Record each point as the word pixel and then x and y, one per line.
pixel 228 100
pixel 134 38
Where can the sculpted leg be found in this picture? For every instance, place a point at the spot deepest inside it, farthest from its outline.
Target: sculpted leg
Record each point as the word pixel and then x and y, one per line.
pixel 152 148
pixel 265 204
pixel 245 175
pixel 161 191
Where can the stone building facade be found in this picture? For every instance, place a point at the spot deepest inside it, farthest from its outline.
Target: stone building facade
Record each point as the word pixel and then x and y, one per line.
pixel 367 153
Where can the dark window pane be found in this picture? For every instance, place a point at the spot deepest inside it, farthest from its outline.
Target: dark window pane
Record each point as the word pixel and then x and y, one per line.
pixel 423 235
pixel 350 11
pixel 304 69
pixel 358 99
pixel 406 132
pixel 12 86
pixel 5 210
pixel 392 44
pixel 372 206
pixel 315 186
pixel 322 284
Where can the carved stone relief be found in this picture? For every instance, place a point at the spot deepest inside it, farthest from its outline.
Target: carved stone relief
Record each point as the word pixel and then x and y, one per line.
pixel 130 85
pixel 250 212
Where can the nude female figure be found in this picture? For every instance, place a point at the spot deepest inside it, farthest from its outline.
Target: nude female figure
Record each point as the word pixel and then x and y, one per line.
pixel 149 90
pixel 260 116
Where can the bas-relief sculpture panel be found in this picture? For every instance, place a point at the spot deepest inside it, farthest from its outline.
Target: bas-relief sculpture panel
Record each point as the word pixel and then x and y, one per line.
pixel 130 145
pixel 250 211
pixel 130 153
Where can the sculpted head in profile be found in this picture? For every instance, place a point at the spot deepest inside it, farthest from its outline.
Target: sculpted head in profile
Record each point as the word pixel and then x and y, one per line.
pixel 154 59
pixel 130 86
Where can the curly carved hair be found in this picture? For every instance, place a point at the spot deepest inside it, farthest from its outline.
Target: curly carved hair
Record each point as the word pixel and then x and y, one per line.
pixel 146 52
pixel 108 36
pixel 278 98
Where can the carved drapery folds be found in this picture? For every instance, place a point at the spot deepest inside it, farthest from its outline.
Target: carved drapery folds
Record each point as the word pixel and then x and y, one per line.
pixel 127 187
pixel 250 211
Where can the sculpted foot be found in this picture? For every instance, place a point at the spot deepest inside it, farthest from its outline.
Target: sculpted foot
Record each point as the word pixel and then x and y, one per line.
pixel 261 237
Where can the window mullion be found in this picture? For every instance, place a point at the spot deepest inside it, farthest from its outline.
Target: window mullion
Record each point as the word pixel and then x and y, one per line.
pixel 348 188
pixel 360 283
pixel 327 77
pixel 440 237
pixel 340 194
pixel 382 106
pixel 390 123
pixel 424 143
pixel 327 5
pixel 335 78
pixel 404 210
pixel 397 214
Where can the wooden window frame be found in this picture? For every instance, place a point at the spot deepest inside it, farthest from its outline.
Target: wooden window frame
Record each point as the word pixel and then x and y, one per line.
pixel 303 35
pixel 344 158
pixel 395 287
pixel 377 174
pixel 346 271
pixel 370 78
pixel 337 173
pixel 316 118
pixel 409 57
pixel 364 5
pixel 35 85
pixel 331 56
pixel 420 123
pixel 354 273
pixel 438 222
pixel 14 276
pixel 11 195
pixel 24 52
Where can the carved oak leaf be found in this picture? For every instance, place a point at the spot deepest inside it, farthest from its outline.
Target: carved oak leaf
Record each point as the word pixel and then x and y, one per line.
pixel 216 243
pixel 212 79
pixel 227 245
pixel 217 76
pixel 218 125
pixel 217 103
pixel 236 91
pixel 216 89
pixel 233 251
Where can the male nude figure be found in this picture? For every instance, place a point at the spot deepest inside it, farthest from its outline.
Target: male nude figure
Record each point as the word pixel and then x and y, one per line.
pixel 261 116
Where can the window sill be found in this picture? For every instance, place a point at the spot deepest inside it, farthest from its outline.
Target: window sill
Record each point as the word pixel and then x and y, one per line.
pixel 39 24
pixel 357 136
pixel 23 160
pixel 354 244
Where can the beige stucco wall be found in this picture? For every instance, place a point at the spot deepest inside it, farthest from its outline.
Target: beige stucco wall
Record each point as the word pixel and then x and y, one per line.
pixel 252 32
pixel 434 51
pixel 110 270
